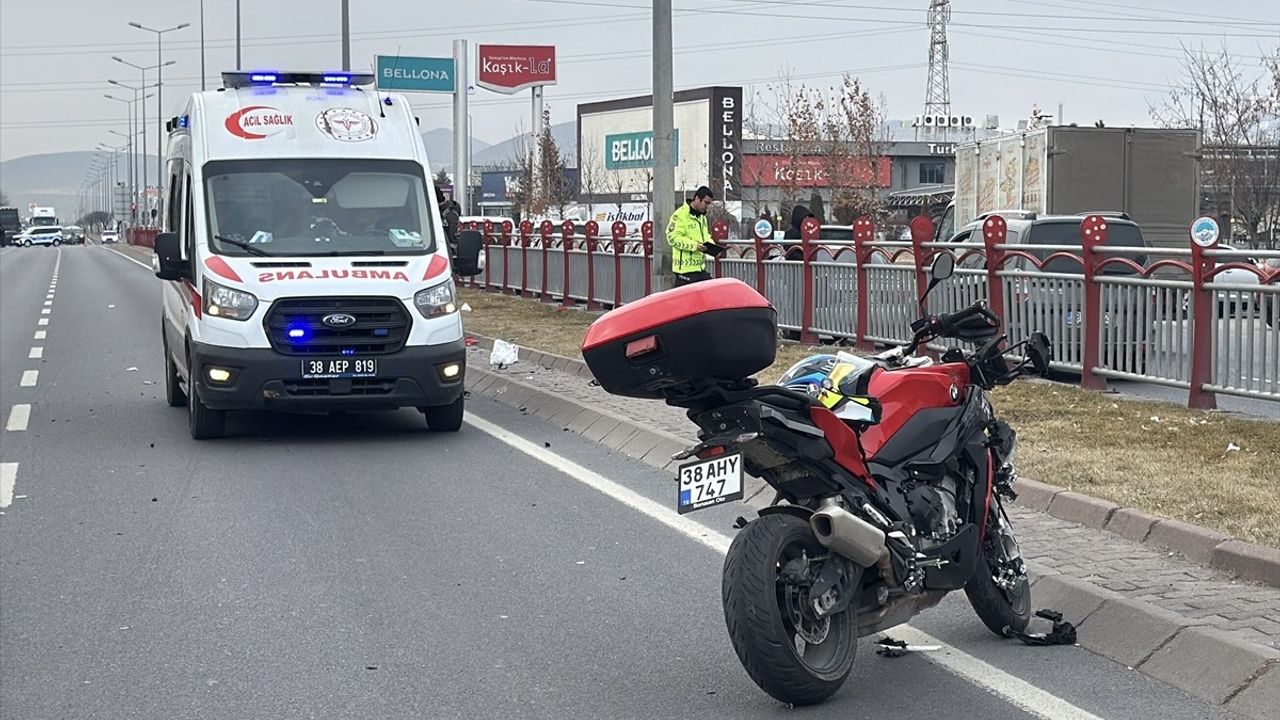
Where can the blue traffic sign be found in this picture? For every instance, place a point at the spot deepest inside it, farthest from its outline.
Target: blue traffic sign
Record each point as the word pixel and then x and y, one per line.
pixel 419 74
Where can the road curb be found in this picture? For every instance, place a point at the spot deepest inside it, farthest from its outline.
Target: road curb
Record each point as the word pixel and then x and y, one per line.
pixel 1200 545
pixel 1140 635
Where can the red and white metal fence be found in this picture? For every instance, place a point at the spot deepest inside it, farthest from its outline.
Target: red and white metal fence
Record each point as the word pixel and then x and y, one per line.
pixel 1171 320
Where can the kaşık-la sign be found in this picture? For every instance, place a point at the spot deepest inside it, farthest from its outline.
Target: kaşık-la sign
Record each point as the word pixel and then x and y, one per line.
pixel 511 68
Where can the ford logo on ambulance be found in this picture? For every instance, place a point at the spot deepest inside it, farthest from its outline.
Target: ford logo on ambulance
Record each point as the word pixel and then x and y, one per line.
pixel 339 320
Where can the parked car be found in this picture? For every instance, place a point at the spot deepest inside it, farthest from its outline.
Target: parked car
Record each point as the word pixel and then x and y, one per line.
pixel 1058 304
pixel 109 237
pixel 40 235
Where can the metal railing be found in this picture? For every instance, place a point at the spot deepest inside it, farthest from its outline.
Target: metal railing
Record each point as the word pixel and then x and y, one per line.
pixel 1114 318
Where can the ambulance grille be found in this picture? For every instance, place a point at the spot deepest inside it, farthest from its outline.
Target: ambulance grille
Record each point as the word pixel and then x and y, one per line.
pixel 381 326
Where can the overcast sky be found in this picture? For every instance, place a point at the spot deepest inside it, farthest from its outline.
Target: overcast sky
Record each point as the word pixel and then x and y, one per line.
pixel 1103 59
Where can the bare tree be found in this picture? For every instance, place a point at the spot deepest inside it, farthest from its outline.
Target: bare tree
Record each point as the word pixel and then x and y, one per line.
pixel 523 201
pixel 591 177
pixel 1237 109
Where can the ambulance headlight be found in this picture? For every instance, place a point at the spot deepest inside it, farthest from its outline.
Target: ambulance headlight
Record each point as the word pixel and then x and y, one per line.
pixel 437 301
pixel 225 302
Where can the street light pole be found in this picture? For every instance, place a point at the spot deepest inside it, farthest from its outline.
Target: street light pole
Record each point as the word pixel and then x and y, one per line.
pixel 160 90
pixel 144 70
pixel 202 88
pixel 237 34
pixel 132 157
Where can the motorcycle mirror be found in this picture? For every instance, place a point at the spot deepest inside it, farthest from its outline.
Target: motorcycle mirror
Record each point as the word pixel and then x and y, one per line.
pixel 1039 352
pixel 944 266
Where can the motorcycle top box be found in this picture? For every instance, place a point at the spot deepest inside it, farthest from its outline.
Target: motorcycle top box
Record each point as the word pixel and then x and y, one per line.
pixel 713 330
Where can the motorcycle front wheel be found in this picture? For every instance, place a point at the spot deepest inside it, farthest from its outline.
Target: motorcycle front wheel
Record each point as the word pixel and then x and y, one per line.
pixel 1003 604
pixel 792 656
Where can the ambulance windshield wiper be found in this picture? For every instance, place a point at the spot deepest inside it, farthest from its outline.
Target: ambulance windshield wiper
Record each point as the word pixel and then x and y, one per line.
pixel 251 249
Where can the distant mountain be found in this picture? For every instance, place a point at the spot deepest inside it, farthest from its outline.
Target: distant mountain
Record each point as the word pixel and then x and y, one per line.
pixel 53 179
pixel 503 154
pixel 439 144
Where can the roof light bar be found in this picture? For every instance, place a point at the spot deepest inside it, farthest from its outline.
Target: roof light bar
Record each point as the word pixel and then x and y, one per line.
pixel 239 79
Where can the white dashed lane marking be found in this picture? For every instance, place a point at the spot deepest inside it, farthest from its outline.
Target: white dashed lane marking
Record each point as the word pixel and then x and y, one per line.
pixel 29 378
pixel 8 476
pixel 36 353
pixel 19 417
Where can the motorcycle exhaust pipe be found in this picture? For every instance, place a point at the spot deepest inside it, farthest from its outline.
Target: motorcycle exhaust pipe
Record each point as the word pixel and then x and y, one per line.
pixel 847 534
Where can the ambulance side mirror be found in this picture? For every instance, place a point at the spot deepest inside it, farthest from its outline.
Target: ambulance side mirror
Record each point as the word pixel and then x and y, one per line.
pixel 466 258
pixel 169 253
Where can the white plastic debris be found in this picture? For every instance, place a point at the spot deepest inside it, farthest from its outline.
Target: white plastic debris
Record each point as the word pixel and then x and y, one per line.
pixel 466 307
pixel 131 369
pixel 1155 418
pixel 504 354
pixel 109 307
pixel 1232 447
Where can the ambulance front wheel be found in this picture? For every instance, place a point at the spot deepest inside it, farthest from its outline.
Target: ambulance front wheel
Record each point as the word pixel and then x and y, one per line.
pixel 446 418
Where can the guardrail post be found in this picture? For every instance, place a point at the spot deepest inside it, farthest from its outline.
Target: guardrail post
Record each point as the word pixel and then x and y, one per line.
pixel 1203 315
pixel 592 228
pixel 759 242
pixel 994 233
pixel 487 232
pixel 1093 234
pixel 719 232
pixel 808 233
pixel 619 232
pixel 864 229
pixel 921 232
pixel 566 240
pixel 526 232
pixel 544 230
pixel 646 237
pixel 505 229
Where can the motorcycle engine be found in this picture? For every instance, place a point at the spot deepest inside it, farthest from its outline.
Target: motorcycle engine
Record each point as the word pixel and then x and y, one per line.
pixel 933 508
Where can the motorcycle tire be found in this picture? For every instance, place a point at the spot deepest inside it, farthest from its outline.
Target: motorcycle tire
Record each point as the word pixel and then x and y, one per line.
pixel 763 634
pixel 998 610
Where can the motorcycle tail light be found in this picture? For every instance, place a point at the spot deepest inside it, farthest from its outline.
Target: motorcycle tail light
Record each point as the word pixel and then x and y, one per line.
pixel 641 347
pixel 708 453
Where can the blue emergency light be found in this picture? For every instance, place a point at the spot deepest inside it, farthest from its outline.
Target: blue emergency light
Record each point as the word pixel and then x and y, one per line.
pixel 265 78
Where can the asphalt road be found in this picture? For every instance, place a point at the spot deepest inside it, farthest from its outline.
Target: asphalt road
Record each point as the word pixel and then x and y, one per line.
pixel 360 567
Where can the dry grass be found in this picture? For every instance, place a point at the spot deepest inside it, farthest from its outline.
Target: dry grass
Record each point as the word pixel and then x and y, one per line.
pixel 1157 457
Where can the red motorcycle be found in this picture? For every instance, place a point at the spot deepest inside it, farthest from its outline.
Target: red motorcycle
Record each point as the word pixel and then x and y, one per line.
pixel 890 472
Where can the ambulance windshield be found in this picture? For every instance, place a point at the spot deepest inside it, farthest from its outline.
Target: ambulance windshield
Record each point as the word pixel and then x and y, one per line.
pixel 311 206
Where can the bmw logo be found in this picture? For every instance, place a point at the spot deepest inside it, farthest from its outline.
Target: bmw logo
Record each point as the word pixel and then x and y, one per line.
pixel 339 320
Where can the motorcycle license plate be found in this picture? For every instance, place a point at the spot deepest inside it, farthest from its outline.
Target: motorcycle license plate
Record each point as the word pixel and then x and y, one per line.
pixel 710 482
pixel 339 368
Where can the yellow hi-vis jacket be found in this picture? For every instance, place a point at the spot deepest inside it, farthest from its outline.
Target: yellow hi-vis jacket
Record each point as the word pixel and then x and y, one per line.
pixel 686 234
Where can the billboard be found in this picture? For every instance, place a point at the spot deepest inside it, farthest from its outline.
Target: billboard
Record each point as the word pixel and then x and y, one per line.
pixel 511 68
pixel 625 151
pixel 814 171
pixel 420 74
pixel 725 135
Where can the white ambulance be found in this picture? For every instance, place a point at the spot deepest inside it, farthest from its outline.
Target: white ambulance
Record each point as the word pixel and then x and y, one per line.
pixel 305 263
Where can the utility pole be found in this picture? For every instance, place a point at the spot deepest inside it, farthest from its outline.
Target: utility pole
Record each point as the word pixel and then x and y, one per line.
pixel 663 129
pixel 461 129
pixel 237 34
pixel 346 35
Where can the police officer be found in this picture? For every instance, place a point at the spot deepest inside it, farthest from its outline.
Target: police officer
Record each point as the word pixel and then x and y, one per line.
pixel 690 240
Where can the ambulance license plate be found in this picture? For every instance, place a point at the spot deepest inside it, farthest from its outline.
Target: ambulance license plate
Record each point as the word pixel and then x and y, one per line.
pixel 710 482
pixel 339 368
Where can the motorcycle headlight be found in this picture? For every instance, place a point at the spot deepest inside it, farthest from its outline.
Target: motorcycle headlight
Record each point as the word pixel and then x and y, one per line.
pixel 229 303
pixel 436 301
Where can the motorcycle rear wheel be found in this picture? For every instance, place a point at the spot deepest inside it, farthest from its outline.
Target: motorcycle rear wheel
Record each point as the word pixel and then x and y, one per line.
pixel 762 625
